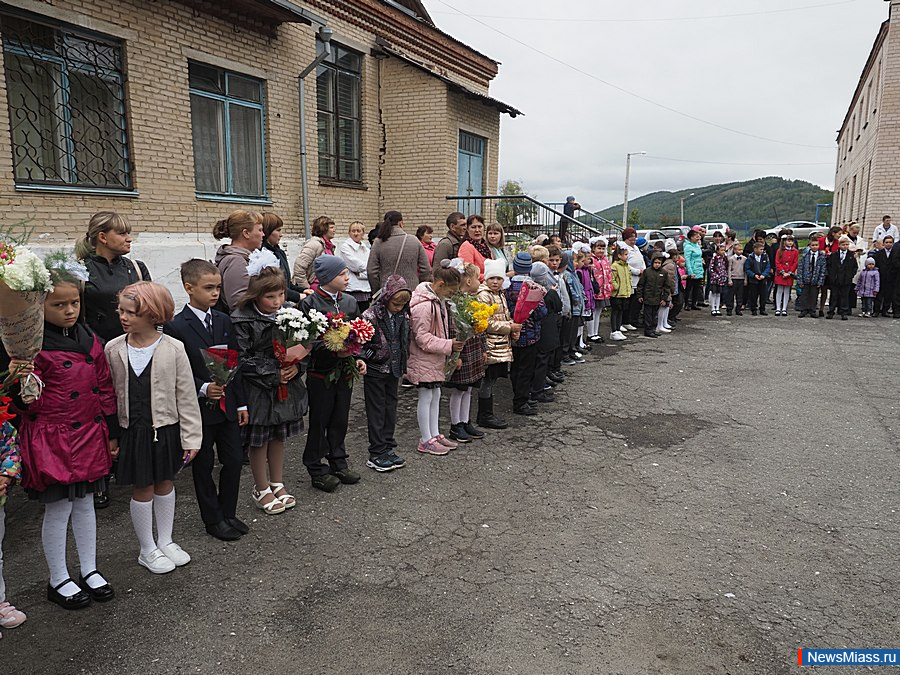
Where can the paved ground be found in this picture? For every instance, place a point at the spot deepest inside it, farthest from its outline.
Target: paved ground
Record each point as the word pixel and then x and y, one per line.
pixel 736 503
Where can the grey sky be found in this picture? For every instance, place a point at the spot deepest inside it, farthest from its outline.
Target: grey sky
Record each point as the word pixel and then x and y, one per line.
pixel 785 75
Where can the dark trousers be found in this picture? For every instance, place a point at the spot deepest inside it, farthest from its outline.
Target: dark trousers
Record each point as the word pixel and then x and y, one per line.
pixel 329 411
pixel 524 359
pixel 539 375
pixel 734 295
pixel 840 299
pixel 216 505
pixel 809 300
pixel 380 390
pixel 691 292
pixel 565 343
pixel 756 296
pixel 616 313
pixel 677 304
pixel 576 331
pixel 651 316
pixel 635 314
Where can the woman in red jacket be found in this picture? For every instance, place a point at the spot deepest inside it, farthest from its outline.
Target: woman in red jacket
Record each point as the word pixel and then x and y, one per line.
pixel 786 260
pixel 475 248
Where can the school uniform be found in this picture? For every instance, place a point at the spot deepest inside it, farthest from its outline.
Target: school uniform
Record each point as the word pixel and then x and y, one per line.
pixel 756 295
pixel 842 268
pixel 811 273
pixel 734 294
pixel 199 330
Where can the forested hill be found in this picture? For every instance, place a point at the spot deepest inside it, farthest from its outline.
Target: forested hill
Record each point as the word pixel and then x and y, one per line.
pixel 747 203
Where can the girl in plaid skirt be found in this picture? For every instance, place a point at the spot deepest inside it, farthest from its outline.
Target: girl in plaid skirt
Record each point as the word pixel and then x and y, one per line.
pixel 470 373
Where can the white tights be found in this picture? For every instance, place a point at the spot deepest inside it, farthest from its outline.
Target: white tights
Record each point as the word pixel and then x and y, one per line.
pixel 663 318
pixel 53 537
pixel 782 298
pixel 460 405
pixel 593 324
pixel 428 413
pixel 715 302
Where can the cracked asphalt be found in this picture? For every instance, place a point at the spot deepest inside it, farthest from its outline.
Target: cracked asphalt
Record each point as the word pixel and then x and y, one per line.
pixel 738 503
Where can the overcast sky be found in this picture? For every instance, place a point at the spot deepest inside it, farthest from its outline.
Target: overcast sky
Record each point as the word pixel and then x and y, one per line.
pixel 782 75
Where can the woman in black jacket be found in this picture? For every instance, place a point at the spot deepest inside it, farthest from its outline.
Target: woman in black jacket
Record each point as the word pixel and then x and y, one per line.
pixel 272 232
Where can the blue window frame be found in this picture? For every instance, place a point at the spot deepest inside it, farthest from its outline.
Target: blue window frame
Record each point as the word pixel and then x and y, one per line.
pixel 66 96
pixel 227 114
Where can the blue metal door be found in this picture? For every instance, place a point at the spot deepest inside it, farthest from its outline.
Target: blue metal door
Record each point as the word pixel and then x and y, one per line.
pixel 471 170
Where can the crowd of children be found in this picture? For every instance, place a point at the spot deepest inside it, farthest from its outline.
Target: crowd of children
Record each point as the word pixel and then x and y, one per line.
pixel 149 399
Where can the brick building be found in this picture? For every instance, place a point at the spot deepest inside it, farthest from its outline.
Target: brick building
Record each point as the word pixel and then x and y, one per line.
pixel 867 183
pixel 176 112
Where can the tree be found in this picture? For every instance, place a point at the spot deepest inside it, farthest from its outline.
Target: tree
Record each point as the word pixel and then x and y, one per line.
pixel 512 212
pixel 666 220
pixel 634 218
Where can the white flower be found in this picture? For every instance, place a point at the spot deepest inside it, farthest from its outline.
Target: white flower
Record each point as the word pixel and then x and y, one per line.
pixel 26 273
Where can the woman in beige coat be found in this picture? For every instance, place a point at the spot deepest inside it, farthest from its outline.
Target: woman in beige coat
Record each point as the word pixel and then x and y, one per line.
pixel 321 242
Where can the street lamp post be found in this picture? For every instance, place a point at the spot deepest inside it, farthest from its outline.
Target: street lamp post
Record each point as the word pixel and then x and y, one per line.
pixel 627 174
pixel 682 208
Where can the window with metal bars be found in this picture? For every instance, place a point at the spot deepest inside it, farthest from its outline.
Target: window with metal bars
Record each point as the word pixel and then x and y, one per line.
pixel 227 112
pixel 338 82
pixel 66 105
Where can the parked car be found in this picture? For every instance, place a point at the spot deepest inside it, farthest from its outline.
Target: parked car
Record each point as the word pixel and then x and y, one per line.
pixel 802 229
pixel 652 236
pixel 712 228
pixel 677 232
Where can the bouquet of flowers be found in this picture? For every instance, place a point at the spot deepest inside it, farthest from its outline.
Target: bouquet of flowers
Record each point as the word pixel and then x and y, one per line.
pixel 346 339
pixel 222 364
pixel 24 282
pixel 530 296
pixel 470 318
pixel 296 333
pixel 10 460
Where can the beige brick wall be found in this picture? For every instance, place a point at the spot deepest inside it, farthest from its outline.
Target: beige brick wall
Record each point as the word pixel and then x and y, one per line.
pixel 408 159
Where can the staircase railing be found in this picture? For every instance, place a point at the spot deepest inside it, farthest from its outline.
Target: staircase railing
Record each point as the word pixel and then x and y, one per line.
pixel 588 217
pixel 522 215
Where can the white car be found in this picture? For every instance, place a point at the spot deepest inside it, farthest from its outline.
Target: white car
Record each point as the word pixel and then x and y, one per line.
pixel 803 229
pixel 712 228
pixel 652 236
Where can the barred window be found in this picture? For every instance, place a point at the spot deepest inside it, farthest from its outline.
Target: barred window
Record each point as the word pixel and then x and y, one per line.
pixel 338 81
pixel 227 127
pixel 66 105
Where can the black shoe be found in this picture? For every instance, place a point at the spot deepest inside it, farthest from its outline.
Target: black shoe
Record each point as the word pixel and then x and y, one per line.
pixel 554 377
pixel 223 531
pixel 595 339
pixel 347 476
pixel 524 409
pixel 326 482
pixel 803 315
pixel 237 524
pixel 102 593
pixel 492 422
pixel 398 461
pixel 77 601
pixel 584 348
pixel 728 312
pixel 473 431
pixel 381 463
pixel 560 375
pixel 568 361
pixel 763 312
pixel 738 312
pixel 458 434
pixel 543 397
pixel 843 317
pixel 830 315
pixel 406 384
pixel 821 314
pixel 651 334
pixel 101 500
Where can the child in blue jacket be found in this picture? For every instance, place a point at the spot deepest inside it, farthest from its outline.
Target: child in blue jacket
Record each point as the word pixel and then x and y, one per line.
pixel 757 268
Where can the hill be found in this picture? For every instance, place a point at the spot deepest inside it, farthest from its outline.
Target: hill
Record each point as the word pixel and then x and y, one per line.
pixel 743 204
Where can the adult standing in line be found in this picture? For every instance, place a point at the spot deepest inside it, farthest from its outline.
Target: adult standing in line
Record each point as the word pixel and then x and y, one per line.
pixel 636 265
pixel 496 239
pixel 272 233
pixel 397 252
pixel 355 254
pixel 245 229
pixel 320 243
pixel 103 249
pixel 425 234
pixel 448 247
pixel 884 229
pixel 475 248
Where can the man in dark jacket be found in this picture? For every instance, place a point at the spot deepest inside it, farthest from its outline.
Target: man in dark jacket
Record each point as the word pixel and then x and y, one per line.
pixel 448 247
pixel 842 266
pixel 886 260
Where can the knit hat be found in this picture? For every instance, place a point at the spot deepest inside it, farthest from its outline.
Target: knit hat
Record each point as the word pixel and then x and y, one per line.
pixel 494 268
pixel 658 256
pixel 327 267
pixel 541 274
pixel 522 263
pixel 671 245
pixel 641 242
pixel 870 260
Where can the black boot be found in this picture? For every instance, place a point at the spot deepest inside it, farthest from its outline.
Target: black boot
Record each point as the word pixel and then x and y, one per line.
pixel 486 417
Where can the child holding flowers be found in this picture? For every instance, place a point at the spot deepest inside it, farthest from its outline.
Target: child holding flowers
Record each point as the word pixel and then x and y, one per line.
pixel 330 375
pixel 467 317
pixel 428 352
pixel 273 418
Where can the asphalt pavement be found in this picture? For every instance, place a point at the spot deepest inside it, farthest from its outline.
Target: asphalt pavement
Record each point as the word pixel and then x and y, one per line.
pixel 707 502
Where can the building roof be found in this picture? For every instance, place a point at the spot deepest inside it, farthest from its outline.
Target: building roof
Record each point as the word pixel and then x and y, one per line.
pixel 415 7
pixel 270 12
pixel 867 69
pixel 387 48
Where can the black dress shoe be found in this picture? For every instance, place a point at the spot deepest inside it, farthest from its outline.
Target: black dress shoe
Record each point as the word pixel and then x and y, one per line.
pixel 103 593
pixel 101 500
pixel 223 531
pixel 239 525
pixel 77 601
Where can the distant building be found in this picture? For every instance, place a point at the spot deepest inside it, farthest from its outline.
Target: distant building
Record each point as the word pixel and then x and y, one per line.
pixel 867 179
pixel 176 112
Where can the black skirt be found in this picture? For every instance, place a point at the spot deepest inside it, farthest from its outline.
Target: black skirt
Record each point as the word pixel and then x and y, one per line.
pixel 148 456
pixel 57 492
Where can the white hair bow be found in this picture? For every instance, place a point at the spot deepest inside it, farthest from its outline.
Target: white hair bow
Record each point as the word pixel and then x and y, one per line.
pixel 260 260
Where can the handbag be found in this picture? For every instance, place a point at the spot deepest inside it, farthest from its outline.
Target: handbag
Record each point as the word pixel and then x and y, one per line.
pixel 377 294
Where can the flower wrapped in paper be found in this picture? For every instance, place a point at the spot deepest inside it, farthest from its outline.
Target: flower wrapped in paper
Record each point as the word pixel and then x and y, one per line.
pixel 295 333
pixel 346 340
pixel 222 364
pixel 530 296
pixel 470 318
pixel 24 283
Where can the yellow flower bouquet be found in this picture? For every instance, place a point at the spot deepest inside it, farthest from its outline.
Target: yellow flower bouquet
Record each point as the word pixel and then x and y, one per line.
pixel 470 318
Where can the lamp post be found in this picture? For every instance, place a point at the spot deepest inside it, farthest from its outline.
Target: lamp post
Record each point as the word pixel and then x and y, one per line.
pixel 627 174
pixel 682 208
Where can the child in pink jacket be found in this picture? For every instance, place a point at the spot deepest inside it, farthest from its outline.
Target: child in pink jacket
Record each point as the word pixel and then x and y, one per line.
pixel 428 352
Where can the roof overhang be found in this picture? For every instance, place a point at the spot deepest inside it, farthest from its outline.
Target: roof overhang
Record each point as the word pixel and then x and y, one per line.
pixel 272 12
pixel 386 48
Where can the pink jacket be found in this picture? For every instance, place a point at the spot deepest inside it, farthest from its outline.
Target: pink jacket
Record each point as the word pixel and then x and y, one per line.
pixel 470 254
pixel 430 346
pixel 603 276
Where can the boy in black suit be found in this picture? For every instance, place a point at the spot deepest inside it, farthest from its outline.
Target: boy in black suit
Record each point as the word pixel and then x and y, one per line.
pixel 199 326
pixel 842 267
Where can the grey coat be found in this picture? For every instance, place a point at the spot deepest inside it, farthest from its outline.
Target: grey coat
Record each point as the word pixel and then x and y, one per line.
pixel 411 264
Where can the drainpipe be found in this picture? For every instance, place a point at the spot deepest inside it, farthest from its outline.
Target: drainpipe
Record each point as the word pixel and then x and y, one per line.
pixel 325 34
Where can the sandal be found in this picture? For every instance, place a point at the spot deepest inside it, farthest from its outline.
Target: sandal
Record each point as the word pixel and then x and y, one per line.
pixel 272 507
pixel 10 617
pixel 286 499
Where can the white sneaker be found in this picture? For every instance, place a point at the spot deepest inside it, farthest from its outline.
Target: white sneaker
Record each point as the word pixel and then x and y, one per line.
pixel 617 336
pixel 628 326
pixel 663 330
pixel 622 329
pixel 669 327
pixel 157 562
pixel 176 554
